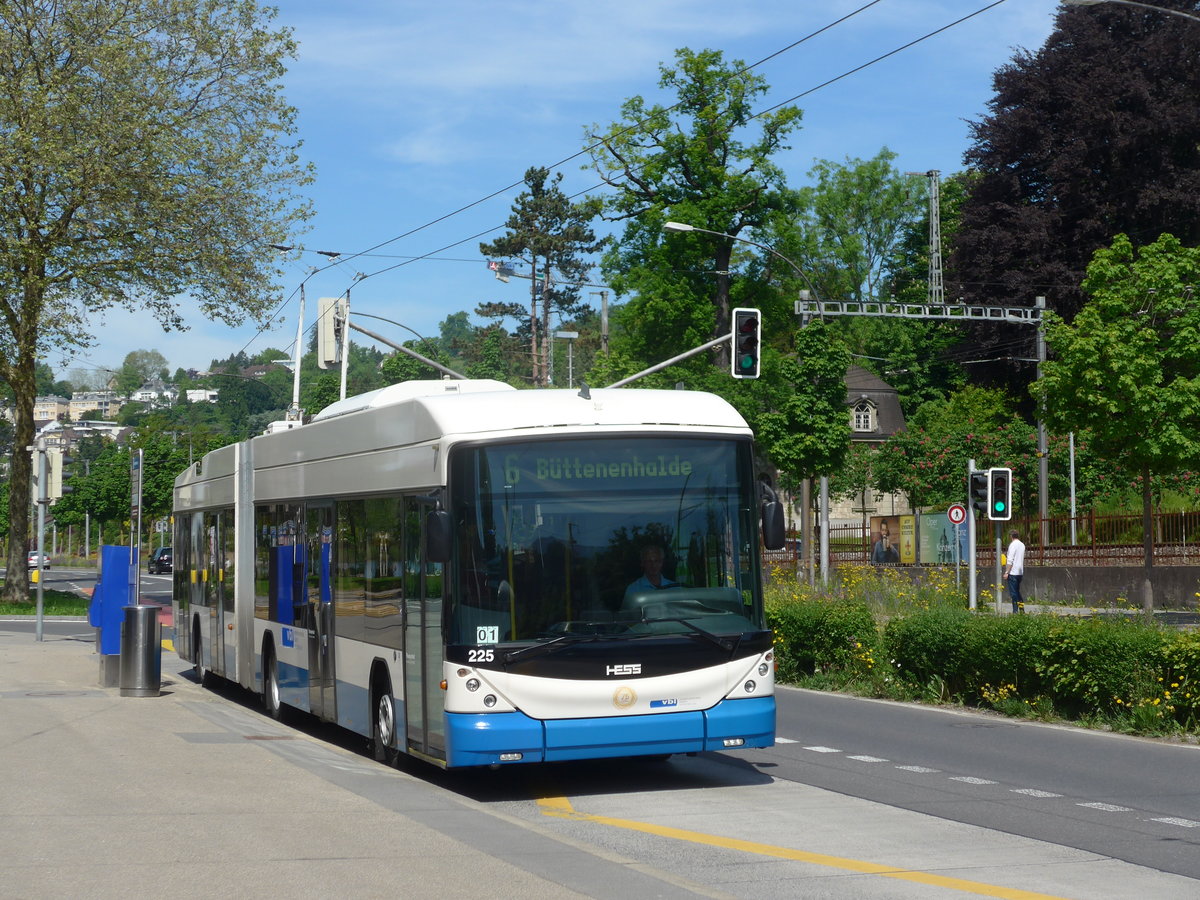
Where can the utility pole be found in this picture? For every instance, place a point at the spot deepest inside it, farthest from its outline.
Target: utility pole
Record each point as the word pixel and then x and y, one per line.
pixel 935 291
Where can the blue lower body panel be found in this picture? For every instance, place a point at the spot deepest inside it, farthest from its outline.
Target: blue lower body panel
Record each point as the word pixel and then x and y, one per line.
pixel 479 740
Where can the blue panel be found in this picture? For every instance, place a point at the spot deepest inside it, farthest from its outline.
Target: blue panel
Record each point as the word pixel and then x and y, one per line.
pixel 478 740
pixel 751 718
pixel 625 736
pixel 112 593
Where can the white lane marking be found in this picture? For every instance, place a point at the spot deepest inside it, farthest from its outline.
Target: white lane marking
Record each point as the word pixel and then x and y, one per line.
pixel 1186 823
pixel 924 770
pixel 968 779
pixel 1032 792
pixel 780 740
pixel 868 758
pixel 1105 807
pixel 823 749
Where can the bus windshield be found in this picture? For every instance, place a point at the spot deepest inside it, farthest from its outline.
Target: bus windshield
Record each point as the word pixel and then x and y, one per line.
pixel 615 537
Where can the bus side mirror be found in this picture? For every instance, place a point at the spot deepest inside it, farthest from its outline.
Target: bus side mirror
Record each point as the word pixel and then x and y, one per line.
pixel 437 536
pixel 772 525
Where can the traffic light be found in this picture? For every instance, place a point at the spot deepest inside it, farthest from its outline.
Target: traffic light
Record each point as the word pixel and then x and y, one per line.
pixel 999 494
pixel 747 341
pixel 979 491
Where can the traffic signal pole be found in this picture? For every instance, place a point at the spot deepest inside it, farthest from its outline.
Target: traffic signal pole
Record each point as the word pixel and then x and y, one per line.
pixel 972 587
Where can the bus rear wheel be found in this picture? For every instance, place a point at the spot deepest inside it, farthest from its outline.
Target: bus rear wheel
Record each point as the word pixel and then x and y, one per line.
pixel 199 670
pixel 271 701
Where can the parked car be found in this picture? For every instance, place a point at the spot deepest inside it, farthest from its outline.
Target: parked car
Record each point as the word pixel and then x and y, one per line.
pixel 160 561
pixel 33 560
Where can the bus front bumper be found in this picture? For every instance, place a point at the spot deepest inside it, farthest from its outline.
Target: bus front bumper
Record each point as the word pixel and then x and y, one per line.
pixel 513 737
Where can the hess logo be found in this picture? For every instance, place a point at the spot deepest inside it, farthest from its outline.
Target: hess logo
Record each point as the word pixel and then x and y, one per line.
pixel 624 669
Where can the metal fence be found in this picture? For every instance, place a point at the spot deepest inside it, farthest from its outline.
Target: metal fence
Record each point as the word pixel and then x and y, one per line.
pixel 1095 540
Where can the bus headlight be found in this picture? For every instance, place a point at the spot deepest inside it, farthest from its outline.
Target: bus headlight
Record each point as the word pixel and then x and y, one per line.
pixel 489 701
pixel 763 669
pixel 749 687
pixel 472 684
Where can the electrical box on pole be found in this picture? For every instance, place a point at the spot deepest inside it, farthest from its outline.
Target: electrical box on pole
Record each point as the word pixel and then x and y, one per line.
pixel 999 494
pixel 747 343
pixel 331 323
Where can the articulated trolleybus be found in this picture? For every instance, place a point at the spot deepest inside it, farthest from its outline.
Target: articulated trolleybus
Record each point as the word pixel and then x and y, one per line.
pixel 477 575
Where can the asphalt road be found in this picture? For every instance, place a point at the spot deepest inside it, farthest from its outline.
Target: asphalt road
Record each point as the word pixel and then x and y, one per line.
pixel 1130 798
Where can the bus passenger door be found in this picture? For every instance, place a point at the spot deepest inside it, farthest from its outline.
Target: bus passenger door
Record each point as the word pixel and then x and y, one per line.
pixel 318 525
pixel 213 549
pixel 423 589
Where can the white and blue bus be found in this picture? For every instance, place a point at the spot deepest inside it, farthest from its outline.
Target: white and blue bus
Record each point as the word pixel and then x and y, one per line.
pixel 454 569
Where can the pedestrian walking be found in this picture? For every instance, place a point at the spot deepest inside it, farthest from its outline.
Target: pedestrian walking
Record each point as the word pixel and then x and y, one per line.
pixel 1014 569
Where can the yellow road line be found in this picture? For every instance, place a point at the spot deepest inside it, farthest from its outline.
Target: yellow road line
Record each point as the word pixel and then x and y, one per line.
pixel 561 807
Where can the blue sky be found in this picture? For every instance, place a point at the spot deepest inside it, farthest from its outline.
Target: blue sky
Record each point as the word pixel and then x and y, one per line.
pixel 412 111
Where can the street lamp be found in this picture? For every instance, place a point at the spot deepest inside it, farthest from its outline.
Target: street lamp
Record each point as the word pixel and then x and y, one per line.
pixel 805 524
pixel 1161 9
pixel 683 226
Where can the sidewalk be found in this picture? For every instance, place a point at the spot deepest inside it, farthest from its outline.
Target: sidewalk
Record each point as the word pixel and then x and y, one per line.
pixel 187 794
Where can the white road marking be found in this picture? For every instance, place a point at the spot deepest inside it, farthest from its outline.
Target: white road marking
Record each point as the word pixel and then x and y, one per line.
pixel 1031 792
pixel 968 779
pixel 868 758
pixel 924 770
pixel 1186 823
pixel 823 749
pixel 1105 807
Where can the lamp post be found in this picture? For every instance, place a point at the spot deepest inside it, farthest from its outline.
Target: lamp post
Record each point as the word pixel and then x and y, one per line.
pixel 1151 6
pixel 806 485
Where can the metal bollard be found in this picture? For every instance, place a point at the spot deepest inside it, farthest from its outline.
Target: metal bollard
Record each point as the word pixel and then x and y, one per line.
pixel 141 652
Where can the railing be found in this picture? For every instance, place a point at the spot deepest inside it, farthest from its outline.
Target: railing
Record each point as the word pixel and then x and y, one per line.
pixel 1100 540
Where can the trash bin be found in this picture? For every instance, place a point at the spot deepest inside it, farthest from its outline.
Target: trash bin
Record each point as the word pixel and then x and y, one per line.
pixel 141 652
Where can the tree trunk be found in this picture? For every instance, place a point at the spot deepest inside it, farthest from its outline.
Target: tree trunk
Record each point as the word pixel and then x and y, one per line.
pixel 534 357
pixel 723 323
pixel 24 388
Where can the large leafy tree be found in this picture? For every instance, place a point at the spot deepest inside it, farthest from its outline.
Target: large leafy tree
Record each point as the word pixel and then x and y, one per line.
pixel 1095 134
pixel 551 235
pixel 139 367
pixel 146 155
pixel 1128 367
pixel 707 160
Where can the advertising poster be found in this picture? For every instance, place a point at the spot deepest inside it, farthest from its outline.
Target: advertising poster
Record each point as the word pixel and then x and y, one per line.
pixel 938 537
pixel 885 540
pixel 908 540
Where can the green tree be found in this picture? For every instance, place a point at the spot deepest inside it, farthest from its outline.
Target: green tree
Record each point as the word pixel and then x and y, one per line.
pixel 1128 368
pixel 1092 135
pixel 147 157
pixel 692 162
pixel 852 221
pixel 139 367
pixel 802 420
pixel 551 235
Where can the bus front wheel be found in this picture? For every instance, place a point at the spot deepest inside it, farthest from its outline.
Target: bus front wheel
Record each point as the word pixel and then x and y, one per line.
pixel 383 733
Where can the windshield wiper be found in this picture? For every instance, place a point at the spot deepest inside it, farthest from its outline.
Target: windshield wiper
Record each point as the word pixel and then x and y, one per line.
pixel 723 643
